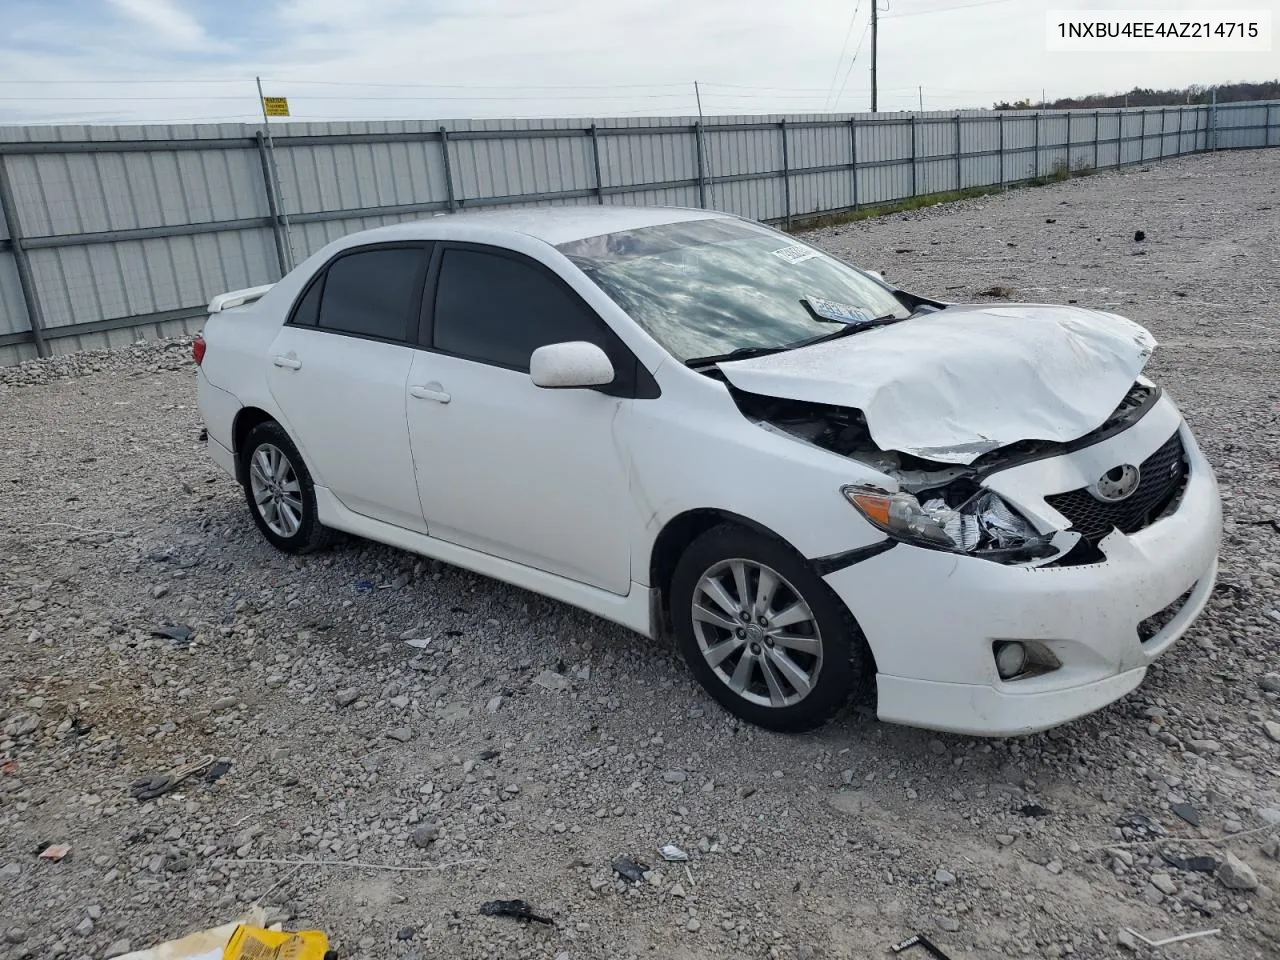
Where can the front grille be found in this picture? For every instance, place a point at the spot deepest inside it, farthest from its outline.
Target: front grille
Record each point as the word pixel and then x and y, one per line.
pixel 1163 475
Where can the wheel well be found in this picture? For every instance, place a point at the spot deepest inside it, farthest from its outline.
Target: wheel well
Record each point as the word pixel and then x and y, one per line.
pixel 246 420
pixel 681 531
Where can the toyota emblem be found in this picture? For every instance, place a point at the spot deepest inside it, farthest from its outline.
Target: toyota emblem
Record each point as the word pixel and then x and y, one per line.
pixel 1117 484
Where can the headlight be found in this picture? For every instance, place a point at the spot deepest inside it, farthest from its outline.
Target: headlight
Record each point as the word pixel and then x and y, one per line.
pixel 982 524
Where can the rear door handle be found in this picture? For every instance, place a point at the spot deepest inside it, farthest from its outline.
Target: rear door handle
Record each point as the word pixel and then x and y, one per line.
pixel 287 362
pixel 431 391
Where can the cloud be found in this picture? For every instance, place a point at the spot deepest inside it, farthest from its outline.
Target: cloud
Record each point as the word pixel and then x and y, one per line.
pixel 166 20
pixel 445 59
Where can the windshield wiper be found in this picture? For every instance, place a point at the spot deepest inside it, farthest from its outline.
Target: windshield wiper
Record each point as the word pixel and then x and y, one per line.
pixel 745 353
pixel 742 353
pixel 851 328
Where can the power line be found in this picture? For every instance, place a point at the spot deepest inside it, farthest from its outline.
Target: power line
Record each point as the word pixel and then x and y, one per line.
pixel 963 6
pixel 843 47
pixel 98 82
pixel 857 50
pixel 472 86
pixel 370 99
pixel 740 86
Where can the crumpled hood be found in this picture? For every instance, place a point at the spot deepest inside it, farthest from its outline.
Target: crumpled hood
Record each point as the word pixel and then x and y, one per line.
pixel 952 385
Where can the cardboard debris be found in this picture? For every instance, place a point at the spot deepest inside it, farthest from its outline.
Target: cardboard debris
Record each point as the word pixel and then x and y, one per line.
pixel 56 851
pixel 245 939
pixel 201 945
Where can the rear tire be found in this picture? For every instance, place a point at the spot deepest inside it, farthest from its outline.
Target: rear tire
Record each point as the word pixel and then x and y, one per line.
pixel 279 491
pixel 762 632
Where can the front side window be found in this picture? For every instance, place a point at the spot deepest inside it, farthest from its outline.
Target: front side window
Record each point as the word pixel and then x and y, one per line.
pixel 704 288
pixel 496 309
pixel 373 293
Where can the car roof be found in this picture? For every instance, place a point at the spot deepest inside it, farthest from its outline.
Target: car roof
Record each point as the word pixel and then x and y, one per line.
pixel 553 225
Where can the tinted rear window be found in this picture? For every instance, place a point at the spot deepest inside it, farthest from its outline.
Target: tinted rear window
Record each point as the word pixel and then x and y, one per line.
pixel 373 294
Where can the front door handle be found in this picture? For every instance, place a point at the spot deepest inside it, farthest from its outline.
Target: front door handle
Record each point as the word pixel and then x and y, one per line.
pixel 431 391
pixel 287 362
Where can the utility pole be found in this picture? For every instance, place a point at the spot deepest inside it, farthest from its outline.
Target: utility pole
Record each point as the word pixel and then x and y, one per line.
pixel 704 157
pixel 275 174
pixel 1042 99
pixel 875 35
pixel 920 90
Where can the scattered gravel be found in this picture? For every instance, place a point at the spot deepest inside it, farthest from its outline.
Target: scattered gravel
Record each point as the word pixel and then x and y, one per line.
pixel 504 746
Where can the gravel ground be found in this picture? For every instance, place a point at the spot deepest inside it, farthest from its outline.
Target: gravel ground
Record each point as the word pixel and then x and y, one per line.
pixel 379 708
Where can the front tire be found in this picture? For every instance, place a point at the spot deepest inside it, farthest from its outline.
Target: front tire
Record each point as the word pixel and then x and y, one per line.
pixel 762 633
pixel 279 491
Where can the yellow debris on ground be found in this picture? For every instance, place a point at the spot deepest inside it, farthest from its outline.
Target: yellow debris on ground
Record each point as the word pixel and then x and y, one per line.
pixel 247 938
pixel 256 943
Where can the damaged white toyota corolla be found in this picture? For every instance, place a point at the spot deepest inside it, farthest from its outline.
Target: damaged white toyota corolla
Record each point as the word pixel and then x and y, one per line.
pixel 694 425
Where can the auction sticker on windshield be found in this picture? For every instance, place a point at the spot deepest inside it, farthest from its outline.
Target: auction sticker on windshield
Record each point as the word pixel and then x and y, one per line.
pixel 839 312
pixel 796 254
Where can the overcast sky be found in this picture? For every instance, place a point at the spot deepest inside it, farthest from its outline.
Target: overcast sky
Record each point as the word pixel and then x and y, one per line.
pixel 153 60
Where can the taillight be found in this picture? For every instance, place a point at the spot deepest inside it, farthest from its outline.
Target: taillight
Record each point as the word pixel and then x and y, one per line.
pixel 197 350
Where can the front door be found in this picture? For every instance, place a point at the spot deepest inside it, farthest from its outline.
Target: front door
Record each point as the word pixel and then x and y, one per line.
pixel 532 475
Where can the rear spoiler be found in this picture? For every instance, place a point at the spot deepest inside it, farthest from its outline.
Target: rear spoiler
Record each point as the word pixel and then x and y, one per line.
pixel 237 298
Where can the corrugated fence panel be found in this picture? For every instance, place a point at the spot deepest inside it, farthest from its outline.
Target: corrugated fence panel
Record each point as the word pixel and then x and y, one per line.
pixel 85 284
pixel 1241 125
pixel 132 229
pixel 13 311
pixel 979 137
pixel 884 160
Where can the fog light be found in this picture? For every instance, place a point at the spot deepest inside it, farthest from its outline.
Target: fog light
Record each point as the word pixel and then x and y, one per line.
pixel 1011 659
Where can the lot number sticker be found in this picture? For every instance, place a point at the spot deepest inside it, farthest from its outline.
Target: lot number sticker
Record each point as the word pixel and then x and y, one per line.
pixel 796 254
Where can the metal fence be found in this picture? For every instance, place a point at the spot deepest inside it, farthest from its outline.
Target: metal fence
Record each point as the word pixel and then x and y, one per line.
pixel 111 234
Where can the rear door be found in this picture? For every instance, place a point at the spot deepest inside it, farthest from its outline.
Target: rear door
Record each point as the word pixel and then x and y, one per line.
pixel 338 371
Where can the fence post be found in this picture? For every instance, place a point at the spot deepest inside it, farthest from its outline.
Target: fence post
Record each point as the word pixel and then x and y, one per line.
pixel 913 156
pixel 702 174
pixel 853 157
pixel 448 169
pixel 30 297
pixel 1142 138
pixel 786 171
pixel 1036 174
pixel 272 206
pixel 1164 127
pixel 1097 135
pixel 959 160
pixel 1119 139
pixel 1000 149
pixel 595 156
pixel 1068 116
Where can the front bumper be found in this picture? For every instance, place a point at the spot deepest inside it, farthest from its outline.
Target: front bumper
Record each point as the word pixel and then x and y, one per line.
pixel 931 618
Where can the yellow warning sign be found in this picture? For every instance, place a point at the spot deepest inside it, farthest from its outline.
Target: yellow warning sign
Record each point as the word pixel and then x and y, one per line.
pixel 275 106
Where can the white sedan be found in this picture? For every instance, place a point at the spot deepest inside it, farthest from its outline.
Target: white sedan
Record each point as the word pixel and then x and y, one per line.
pixel 694 425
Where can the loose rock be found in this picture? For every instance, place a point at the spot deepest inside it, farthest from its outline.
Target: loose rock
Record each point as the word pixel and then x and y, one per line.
pixel 1235 874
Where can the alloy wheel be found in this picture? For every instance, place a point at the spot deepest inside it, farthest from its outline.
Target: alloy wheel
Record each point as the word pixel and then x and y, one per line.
pixel 757 633
pixel 277 494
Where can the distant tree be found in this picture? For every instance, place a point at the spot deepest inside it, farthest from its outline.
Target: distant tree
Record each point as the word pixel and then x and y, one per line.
pixel 1147 97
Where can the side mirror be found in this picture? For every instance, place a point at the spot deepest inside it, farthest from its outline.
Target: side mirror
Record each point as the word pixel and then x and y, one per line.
pixel 560 366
